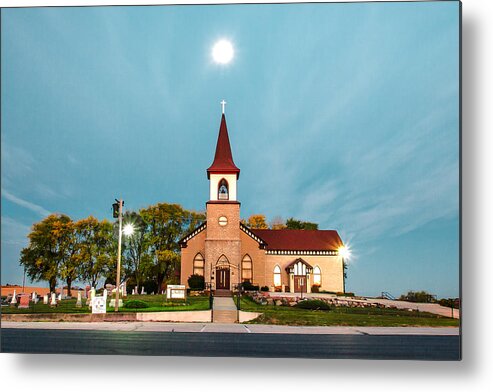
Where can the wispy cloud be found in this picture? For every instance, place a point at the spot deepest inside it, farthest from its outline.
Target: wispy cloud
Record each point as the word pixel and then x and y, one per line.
pixel 16 162
pixel 24 203
pixel 14 232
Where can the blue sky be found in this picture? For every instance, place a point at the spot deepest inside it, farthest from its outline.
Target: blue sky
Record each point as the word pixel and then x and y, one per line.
pixel 342 114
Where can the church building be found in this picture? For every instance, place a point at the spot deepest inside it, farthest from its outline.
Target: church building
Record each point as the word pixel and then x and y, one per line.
pixel 226 252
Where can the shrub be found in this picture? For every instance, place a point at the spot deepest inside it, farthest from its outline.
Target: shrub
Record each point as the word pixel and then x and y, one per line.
pixel 450 302
pixel 313 304
pixel 196 282
pixel 135 304
pixel 315 288
pixel 418 296
pixel 249 286
pixel 264 288
pixel 341 294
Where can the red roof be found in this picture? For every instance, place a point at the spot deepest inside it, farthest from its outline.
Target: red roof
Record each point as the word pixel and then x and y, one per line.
pixel 299 239
pixel 223 160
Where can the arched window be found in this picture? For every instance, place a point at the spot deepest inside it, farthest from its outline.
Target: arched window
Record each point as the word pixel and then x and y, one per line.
pixel 246 268
pixel 317 276
pixel 277 276
pixel 222 192
pixel 198 265
pixel 300 268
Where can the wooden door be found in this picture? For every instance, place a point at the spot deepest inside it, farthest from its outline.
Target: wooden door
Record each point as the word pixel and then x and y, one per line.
pixel 300 283
pixel 222 279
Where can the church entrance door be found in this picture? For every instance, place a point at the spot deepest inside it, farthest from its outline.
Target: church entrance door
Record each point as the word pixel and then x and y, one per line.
pixel 299 283
pixel 222 276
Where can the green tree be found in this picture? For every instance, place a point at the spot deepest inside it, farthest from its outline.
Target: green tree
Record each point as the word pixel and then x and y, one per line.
pixel 257 221
pixel 166 225
pixel 295 224
pixel 96 244
pixel 47 249
pixel 70 265
pixel 418 296
pixel 135 249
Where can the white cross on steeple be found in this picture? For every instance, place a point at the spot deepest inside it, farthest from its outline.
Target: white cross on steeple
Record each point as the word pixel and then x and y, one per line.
pixel 223 104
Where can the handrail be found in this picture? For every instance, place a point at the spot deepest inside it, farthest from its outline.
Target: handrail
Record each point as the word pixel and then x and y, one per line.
pixel 387 295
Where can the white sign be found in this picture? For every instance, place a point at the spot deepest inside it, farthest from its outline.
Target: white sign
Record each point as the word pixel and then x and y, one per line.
pixel 99 305
pixel 176 291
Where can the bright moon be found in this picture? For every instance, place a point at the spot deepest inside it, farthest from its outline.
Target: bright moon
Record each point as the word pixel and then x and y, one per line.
pixel 222 52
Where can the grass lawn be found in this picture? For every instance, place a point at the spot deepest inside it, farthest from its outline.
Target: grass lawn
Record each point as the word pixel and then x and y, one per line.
pixel 157 303
pixel 285 315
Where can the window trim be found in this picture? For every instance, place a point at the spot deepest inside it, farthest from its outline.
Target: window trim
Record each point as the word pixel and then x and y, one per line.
pixel 319 283
pixel 250 260
pixel 277 271
pixel 198 257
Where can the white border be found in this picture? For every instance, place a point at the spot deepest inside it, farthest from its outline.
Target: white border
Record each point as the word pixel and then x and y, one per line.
pixel 71 372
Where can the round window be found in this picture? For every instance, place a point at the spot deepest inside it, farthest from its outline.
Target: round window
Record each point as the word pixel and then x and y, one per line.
pixel 223 221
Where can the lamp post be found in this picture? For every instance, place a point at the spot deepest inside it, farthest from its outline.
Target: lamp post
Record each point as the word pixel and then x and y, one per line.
pixel 239 290
pixel 120 208
pixel 211 298
pixel 345 253
pixel 127 230
pixel 24 280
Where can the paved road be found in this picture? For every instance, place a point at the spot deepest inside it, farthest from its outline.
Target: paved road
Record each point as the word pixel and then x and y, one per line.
pixel 208 344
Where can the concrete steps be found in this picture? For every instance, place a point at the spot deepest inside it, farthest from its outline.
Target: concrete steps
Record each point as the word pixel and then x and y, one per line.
pixel 223 293
pixel 225 316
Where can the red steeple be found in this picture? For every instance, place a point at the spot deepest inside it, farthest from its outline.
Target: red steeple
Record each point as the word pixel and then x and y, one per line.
pixel 223 160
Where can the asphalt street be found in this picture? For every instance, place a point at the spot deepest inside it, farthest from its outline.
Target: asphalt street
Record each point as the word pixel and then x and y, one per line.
pixel 213 344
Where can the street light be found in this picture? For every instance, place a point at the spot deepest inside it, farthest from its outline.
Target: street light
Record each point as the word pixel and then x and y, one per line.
pixel 128 230
pixel 345 253
pixel 117 211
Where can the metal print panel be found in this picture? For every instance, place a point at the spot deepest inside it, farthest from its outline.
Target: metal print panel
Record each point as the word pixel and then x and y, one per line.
pixel 128 229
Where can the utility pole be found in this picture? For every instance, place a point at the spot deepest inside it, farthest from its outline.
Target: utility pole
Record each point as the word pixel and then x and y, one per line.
pixel 24 280
pixel 117 297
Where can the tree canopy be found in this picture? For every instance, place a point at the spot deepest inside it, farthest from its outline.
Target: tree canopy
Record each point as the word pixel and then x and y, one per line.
pixel 295 224
pixel 257 222
pixel 48 249
pixel 86 250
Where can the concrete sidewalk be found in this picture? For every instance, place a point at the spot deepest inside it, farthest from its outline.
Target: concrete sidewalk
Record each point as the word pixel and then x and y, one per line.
pixel 224 310
pixel 232 328
pixel 223 303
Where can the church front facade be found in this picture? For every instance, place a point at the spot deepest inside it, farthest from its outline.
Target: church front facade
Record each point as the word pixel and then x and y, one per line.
pixel 226 252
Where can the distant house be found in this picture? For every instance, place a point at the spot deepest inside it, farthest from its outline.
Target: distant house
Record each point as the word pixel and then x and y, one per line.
pixel 9 290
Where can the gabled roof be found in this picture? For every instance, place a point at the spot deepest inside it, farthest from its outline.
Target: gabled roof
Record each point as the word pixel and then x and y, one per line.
pixel 190 235
pixel 296 261
pixel 253 235
pixel 292 267
pixel 299 239
pixel 223 159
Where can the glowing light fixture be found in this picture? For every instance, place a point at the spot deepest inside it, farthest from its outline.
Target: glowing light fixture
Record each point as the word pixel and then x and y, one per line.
pixel 128 229
pixel 344 252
